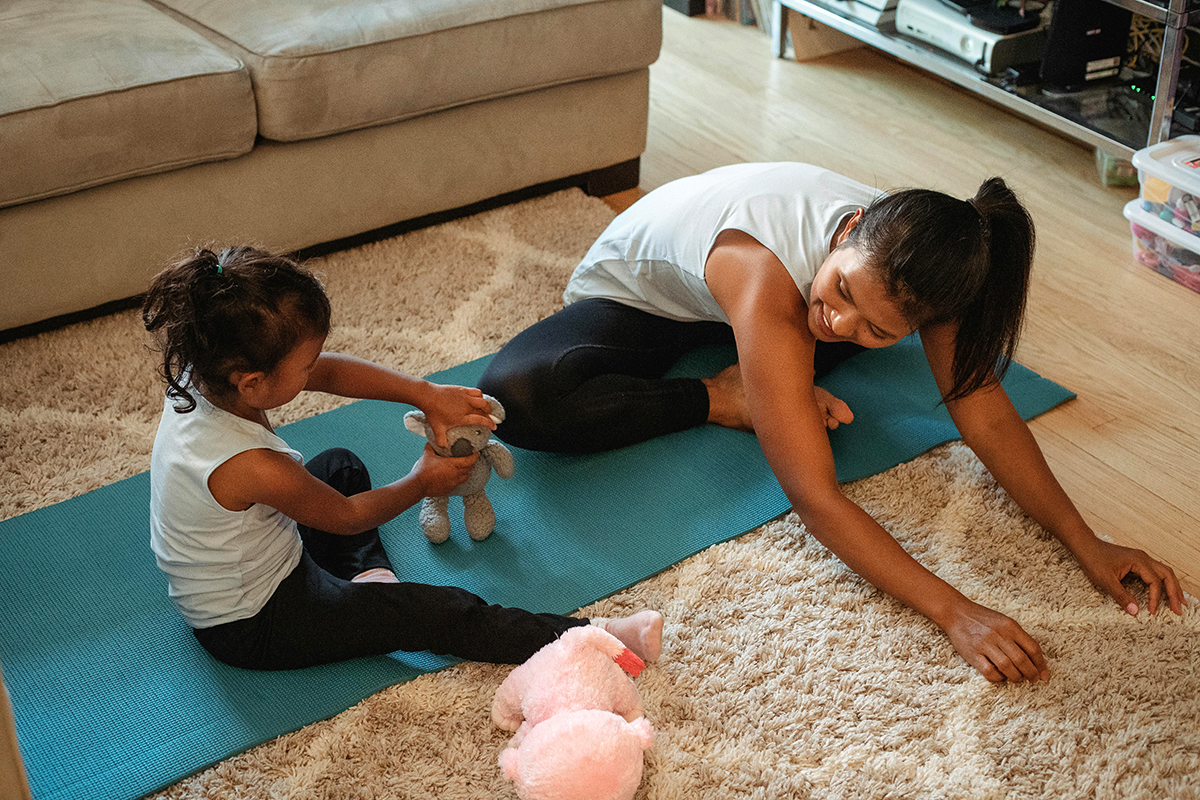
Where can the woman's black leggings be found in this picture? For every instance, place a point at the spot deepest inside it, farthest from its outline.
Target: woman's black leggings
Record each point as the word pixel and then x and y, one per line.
pixel 590 378
pixel 318 616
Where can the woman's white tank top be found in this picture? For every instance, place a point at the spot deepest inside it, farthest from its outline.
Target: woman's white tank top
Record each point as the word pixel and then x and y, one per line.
pixel 653 254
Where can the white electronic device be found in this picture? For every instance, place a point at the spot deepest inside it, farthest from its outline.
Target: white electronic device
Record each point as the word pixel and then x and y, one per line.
pixel 944 27
pixel 876 13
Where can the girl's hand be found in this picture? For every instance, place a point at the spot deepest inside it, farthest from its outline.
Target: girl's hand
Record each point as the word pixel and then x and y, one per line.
pixel 448 406
pixel 437 476
pixel 832 409
pixel 1106 564
pixel 996 645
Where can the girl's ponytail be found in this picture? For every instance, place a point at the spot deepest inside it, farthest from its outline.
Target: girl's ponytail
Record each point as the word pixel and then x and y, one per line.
pixel 170 312
pixel 990 325
pixel 949 260
pixel 241 309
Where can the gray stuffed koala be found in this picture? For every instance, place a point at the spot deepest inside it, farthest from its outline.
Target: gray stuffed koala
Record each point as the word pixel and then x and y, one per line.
pixel 463 440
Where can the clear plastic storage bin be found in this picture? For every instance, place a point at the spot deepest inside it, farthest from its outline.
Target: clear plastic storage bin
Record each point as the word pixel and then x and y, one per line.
pixel 1164 247
pixel 1165 219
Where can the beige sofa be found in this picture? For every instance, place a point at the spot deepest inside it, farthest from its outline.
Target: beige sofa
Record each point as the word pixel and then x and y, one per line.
pixel 130 129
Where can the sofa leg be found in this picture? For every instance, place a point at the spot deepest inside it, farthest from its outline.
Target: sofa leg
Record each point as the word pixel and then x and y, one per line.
pixel 610 180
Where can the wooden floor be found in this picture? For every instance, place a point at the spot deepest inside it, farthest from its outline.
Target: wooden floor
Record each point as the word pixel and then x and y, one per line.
pixel 1126 340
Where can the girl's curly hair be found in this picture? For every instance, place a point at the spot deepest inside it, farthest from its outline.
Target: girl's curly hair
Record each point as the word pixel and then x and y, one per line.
pixel 237 309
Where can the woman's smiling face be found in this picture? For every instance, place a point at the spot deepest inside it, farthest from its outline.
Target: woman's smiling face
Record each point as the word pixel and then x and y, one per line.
pixel 850 304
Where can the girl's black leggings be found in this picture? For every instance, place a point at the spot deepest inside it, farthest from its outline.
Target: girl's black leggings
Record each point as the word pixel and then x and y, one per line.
pixel 590 377
pixel 318 616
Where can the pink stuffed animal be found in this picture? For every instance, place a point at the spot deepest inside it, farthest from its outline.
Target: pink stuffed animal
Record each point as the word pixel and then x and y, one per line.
pixel 577 717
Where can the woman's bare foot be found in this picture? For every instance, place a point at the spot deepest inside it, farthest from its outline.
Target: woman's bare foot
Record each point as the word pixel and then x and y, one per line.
pixel 727 400
pixel 727 403
pixel 641 633
pixel 832 409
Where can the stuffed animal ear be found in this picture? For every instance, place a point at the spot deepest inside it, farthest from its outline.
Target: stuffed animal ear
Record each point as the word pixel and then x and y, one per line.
pixel 594 636
pixel 644 732
pixel 497 409
pixel 510 762
pixel 415 422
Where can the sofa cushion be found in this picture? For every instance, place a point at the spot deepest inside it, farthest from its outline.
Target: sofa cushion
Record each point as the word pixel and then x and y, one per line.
pixel 92 91
pixel 326 66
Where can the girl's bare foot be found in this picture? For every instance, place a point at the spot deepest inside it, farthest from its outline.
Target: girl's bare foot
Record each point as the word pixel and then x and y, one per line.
pixel 641 633
pixel 727 400
pixel 376 575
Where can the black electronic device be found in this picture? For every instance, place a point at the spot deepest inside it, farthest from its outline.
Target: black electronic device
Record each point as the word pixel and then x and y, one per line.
pixel 1020 75
pixel 1188 118
pixel 1084 43
pixel 1002 19
pixel 999 16
pixel 963 6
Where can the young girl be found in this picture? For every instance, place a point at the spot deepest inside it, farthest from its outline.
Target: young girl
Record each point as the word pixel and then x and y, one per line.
pixel 802 268
pixel 276 565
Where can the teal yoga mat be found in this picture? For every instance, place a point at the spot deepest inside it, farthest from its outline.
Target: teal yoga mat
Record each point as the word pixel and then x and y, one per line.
pixel 114 698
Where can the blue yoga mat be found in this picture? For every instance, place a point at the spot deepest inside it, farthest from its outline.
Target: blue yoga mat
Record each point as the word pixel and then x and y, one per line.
pixel 114 698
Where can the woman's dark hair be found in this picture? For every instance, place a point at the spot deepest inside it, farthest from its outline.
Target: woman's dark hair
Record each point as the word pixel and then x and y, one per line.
pixel 950 260
pixel 237 310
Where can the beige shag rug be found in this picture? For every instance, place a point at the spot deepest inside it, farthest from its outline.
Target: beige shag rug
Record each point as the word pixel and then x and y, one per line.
pixel 784 675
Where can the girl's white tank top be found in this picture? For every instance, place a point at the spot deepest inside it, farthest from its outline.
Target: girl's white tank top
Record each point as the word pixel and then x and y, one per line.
pixel 221 565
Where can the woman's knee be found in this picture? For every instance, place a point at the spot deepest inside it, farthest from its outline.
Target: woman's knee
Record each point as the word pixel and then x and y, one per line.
pixel 505 385
pixel 520 390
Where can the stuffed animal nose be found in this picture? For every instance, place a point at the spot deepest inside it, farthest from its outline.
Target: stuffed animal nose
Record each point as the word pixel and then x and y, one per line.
pixel 460 448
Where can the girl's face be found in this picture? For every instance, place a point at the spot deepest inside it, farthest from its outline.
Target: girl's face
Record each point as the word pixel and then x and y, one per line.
pixel 849 304
pixel 280 386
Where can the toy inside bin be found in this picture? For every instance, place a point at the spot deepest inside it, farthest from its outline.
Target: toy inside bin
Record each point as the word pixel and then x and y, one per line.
pixel 1164 247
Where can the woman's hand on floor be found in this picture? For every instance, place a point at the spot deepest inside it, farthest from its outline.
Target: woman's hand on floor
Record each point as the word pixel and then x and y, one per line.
pixel 1106 564
pixel 996 645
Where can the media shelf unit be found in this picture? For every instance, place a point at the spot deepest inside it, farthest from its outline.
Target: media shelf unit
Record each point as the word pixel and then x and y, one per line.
pixel 1116 133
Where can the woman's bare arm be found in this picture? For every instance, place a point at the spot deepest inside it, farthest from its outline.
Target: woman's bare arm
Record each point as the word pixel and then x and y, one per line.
pixel 994 430
pixel 775 350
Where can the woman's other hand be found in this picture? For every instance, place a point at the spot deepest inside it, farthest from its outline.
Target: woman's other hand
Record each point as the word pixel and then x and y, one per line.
pixel 1106 564
pixel 996 645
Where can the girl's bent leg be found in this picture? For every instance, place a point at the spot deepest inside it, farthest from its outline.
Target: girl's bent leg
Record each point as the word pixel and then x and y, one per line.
pixel 344 556
pixel 589 378
pixel 315 618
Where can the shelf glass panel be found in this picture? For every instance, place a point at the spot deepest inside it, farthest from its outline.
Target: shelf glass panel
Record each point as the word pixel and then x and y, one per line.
pixel 1113 117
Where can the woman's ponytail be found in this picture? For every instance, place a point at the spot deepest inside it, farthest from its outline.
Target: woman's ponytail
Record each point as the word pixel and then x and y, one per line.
pixel 949 260
pixel 990 325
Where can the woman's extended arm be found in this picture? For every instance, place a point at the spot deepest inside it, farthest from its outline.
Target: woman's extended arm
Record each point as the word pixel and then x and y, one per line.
pixel 995 431
pixel 775 350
